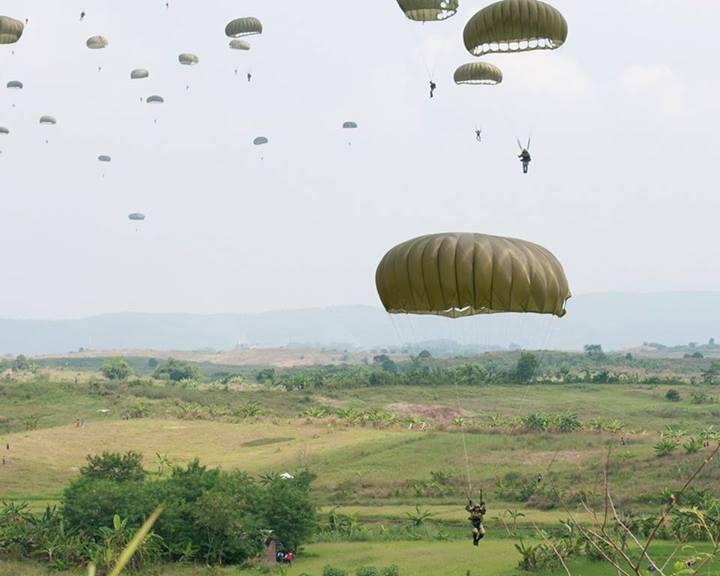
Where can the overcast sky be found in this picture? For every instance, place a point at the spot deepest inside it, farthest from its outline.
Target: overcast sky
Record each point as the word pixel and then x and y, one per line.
pixel 622 188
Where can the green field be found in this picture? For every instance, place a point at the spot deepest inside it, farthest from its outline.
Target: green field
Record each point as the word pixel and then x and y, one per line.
pixel 375 474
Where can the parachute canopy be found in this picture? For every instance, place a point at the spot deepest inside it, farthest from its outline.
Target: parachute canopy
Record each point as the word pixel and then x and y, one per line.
pixel 136 216
pixel 15 85
pixel 515 26
pixel 260 140
pixel 104 158
pixel 188 59
pixel 238 44
pixel 478 73
pixel 243 27
pixel 460 274
pixel 10 30
pixel 4 130
pixel 155 99
pixel 48 120
pixel 349 125
pixel 96 42
pixel 429 10
pixel 139 74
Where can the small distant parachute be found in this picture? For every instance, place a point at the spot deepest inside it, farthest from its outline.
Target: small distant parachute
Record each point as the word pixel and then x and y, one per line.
pixel 188 59
pixel 4 130
pixel 10 30
pixel 260 140
pixel 515 26
pixel 104 158
pixel 460 274
pixel 48 120
pixel 139 74
pixel 238 44
pixel 15 85
pixel 243 27
pixel 136 217
pixel 429 10
pixel 96 42
pixel 478 73
pixel 155 99
pixel 349 125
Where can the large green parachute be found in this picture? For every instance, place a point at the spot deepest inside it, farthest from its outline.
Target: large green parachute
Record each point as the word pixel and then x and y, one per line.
pixel 243 27
pixel 48 120
pixel 478 73
pixel 188 59
pixel 10 30
pixel 429 10
pixel 96 42
pixel 260 140
pixel 459 274
pixel 349 125
pixel 155 99
pixel 515 26
pixel 139 74
pixel 238 44
pixel 4 130
pixel 15 85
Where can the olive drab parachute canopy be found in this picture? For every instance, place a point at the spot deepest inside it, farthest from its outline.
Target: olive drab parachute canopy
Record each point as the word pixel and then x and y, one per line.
pixel 96 42
pixel 260 140
pixel 515 26
pixel 15 85
pixel 139 74
pixel 188 59
pixel 104 158
pixel 243 27
pixel 478 73
pixel 48 120
pixel 238 44
pixel 4 130
pixel 10 30
pixel 458 275
pixel 155 99
pixel 136 217
pixel 428 10
pixel 349 125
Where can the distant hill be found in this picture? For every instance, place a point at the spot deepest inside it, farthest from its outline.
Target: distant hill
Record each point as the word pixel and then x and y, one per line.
pixel 615 320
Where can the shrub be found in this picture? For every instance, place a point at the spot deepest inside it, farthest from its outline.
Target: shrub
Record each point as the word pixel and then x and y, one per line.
pixel 332 571
pixel 115 467
pixel 672 395
pixel 176 371
pixel 367 571
pixel 116 369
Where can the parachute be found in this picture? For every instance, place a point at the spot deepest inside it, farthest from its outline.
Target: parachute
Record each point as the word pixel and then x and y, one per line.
pixel 139 74
pixel 104 158
pixel 515 26
pixel 10 30
pixel 429 10
pixel 260 140
pixel 188 59
pixel 4 130
pixel 478 73
pixel 463 274
pixel 48 120
pixel 155 99
pixel 237 44
pixel 349 125
pixel 15 85
pixel 243 27
pixel 136 217
pixel 96 42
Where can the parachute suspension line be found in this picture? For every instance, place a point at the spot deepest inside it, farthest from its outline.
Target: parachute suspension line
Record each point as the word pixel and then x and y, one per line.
pixel 469 488
pixel 418 48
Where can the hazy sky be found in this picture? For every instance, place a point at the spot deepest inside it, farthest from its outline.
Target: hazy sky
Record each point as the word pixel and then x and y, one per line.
pixel 622 188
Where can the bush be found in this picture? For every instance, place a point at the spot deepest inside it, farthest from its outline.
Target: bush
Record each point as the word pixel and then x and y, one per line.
pixel 176 371
pixel 672 395
pixel 115 467
pixel 367 571
pixel 332 571
pixel 116 369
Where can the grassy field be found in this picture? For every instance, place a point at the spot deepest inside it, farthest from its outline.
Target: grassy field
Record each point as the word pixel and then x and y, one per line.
pixel 376 475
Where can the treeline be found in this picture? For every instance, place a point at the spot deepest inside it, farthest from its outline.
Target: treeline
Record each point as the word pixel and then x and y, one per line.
pixel 209 516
